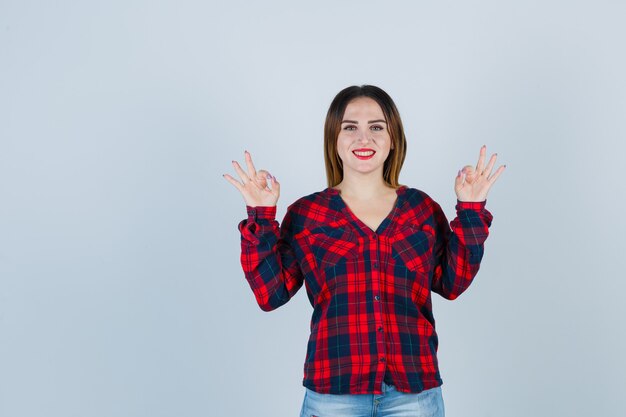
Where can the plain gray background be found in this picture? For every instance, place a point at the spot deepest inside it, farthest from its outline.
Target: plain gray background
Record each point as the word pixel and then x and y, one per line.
pixel 121 292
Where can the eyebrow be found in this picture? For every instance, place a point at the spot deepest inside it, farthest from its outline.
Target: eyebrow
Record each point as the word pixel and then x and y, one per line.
pixel 371 121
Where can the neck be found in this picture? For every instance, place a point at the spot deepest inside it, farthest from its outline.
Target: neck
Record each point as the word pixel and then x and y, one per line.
pixel 362 187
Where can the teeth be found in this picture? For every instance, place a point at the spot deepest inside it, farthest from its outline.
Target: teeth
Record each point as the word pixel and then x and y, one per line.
pixel 364 153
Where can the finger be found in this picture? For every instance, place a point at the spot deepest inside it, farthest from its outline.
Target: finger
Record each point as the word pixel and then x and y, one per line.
pixel 275 187
pixel 481 159
pixel 496 174
pixel 490 165
pixel 469 172
pixel 263 178
pixel 459 184
pixel 244 177
pixel 458 180
pixel 251 169
pixel 233 181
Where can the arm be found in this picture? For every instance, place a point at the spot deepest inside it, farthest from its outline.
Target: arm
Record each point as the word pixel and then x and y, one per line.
pixel 458 251
pixel 267 257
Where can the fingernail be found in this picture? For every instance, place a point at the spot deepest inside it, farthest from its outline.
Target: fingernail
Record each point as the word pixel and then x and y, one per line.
pixel 275 180
pixel 246 151
pixel 459 174
pixel 269 176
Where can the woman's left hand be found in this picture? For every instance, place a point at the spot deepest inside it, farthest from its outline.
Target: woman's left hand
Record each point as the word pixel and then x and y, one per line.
pixel 473 185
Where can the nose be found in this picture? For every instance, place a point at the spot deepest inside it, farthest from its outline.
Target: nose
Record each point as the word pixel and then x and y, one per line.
pixel 363 137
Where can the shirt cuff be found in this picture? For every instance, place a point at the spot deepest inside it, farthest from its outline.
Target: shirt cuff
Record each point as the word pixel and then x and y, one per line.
pixel 261 212
pixel 470 205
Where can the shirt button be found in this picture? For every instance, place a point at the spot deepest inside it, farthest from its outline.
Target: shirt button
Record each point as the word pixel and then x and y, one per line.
pixel 375 265
pixel 382 359
pixel 376 297
pixel 380 329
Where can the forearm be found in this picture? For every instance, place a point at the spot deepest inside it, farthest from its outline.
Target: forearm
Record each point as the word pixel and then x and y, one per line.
pixel 268 261
pixel 461 249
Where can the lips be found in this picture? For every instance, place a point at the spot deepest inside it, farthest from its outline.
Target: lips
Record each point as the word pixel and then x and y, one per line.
pixel 364 153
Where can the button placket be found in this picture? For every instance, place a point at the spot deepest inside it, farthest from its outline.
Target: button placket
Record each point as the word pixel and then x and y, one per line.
pixel 378 308
pixel 376 260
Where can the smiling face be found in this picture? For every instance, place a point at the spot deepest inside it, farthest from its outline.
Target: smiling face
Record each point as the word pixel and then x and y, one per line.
pixel 364 142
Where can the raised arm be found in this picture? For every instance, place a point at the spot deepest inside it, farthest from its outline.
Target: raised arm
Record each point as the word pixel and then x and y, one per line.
pixel 267 257
pixel 459 247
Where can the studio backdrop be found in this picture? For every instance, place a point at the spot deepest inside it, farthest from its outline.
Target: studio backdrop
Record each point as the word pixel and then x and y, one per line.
pixel 121 289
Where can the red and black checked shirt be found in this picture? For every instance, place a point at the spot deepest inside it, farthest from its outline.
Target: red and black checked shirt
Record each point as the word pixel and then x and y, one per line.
pixel 370 290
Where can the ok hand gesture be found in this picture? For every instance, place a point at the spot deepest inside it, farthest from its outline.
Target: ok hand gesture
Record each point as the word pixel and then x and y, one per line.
pixel 255 187
pixel 477 183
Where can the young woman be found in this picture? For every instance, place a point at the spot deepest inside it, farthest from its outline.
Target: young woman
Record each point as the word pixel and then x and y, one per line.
pixel 369 251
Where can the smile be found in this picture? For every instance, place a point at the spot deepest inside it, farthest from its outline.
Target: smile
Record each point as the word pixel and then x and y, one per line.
pixel 364 153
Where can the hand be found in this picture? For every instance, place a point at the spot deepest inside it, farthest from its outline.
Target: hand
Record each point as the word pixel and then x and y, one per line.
pixel 477 183
pixel 255 187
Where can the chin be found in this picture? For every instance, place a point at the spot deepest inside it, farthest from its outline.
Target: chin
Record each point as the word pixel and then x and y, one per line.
pixel 366 170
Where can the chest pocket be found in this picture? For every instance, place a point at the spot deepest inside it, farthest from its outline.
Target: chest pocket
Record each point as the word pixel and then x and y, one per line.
pixel 413 247
pixel 332 246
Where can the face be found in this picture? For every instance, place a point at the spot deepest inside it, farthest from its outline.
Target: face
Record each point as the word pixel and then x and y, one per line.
pixel 364 142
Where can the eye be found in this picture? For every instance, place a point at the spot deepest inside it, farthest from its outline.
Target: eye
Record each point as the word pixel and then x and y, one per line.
pixel 377 128
pixel 349 127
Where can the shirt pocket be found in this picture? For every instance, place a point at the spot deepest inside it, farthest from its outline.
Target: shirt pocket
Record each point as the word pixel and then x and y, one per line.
pixel 335 252
pixel 413 247
pixel 332 246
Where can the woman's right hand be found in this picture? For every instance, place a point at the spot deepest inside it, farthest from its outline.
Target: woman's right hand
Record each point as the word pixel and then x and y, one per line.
pixel 255 187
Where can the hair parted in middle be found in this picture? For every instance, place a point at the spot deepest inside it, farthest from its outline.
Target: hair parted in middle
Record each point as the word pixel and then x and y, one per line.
pixel 332 127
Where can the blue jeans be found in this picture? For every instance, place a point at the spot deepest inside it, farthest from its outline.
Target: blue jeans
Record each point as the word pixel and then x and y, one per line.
pixel 428 403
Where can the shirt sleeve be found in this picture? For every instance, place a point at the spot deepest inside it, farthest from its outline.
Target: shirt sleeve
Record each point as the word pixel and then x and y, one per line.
pixel 267 257
pixel 459 247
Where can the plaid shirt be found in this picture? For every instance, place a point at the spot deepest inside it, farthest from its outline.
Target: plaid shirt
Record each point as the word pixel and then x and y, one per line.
pixel 370 290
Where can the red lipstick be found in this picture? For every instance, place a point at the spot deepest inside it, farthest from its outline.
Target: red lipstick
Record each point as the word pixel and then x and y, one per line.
pixel 364 153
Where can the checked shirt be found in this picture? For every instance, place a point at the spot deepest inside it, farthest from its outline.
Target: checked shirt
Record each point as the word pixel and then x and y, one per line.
pixel 370 290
